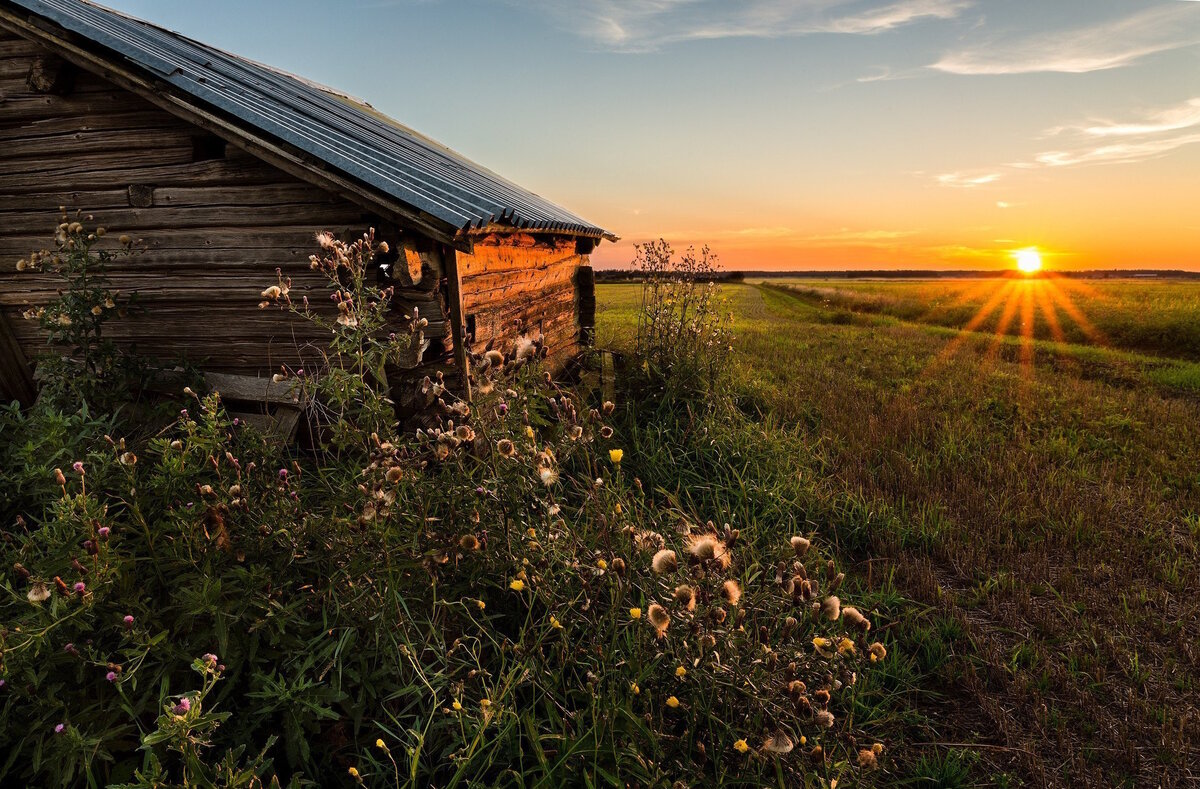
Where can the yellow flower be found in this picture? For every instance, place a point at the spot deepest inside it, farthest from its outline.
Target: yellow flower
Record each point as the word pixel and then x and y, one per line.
pixel 531 532
pixel 353 772
pixel 529 432
pixel 482 605
pixel 634 687
pixel 603 565
pixel 485 703
pixel 635 613
pixel 517 585
pixel 845 647
pixel 617 509
pixel 681 672
pixel 554 623
pixel 380 745
pixel 740 746
pixel 672 702
pixel 456 706
pixel 615 455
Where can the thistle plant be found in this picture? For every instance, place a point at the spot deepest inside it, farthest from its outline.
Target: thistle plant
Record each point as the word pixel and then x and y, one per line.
pixel 87 367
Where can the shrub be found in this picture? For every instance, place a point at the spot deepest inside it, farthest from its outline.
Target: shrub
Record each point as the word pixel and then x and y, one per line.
pixel 88 368
pixel 493 600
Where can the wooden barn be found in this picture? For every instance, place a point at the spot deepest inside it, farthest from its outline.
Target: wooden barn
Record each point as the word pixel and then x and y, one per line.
pixel 226 169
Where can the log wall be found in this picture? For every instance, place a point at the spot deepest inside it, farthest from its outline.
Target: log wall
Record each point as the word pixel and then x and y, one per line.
pixel 517 283
pixel 214 229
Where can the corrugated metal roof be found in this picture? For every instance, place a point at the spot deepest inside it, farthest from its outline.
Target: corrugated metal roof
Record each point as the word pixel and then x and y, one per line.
pixel 343 133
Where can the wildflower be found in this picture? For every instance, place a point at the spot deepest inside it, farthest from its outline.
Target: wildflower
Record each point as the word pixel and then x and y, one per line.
pixel 506 447
pixel 718 615
pixel 685 597
pixel 779 743
pixel 379 743
pixel 464 433
pixel 324 240
pixel 469 542
pixel 659 618
pixel 618 565
pixel 601 564
pixel 608 407
pixel 647 540
pixel 529 432
pixel 615 455
pixel 547 475
pixel 456 706
pixel 706 547
pixel 801 545
pixel 633 686
pixel 740 746
pixel 111 676
pixel 575 433
pixel 867 759
pixel 831 608
pixel 128 459
pixel 554 623
pixel 103 532
pixel 485 703
pixel 59 477
pixel 77 466
pixel 731 592
pixel 681 672
pixel 824 718
pixel 845 647
pixel 353 773
pixel 80 587
pixel 855 618
pixel 634 613
pixel 183 706
pixel 877 651
pixel 494 358
pixel 672 702
pixel 394 474
pixel 606 432
pixel 128 620
pixel 664 561
pixel 480 604
pixel 38 593
pixel 60 728
pixel 517 585
pixel 272 292
pixel 210 660
pixel 97 310
pixel 822 645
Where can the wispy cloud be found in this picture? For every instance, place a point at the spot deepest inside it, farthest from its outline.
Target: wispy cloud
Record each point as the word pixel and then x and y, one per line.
pixel 1107 45
pixel 647 25
pixel 1181 116
pixel 1119 153
pixel 967 180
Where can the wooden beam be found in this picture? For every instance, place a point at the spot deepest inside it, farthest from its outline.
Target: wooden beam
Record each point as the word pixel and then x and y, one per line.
pixel 457 325
pixel 278 154
pixel 16 378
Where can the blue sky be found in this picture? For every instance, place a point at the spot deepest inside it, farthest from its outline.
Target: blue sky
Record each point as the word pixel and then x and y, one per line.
pixel 811 133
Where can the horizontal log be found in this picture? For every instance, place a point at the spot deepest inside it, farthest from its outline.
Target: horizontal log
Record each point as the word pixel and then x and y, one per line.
pixel 12 127
pixel 212 173
pixel 495 259
pixel 315 216
pixel 128 143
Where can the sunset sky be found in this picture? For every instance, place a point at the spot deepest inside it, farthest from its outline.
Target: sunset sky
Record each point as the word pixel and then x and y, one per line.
pixel 801 134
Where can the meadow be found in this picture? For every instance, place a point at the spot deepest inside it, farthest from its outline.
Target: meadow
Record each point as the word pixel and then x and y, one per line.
pixel 1020 502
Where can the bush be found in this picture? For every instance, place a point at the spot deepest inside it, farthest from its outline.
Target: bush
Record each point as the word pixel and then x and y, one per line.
pixel 494 600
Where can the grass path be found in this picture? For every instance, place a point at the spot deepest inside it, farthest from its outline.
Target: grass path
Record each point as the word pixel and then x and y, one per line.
pixel 1038 507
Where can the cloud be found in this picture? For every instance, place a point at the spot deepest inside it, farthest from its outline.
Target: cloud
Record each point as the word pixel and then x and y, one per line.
pixel 963 180
pixel 1118 153
pixel 1108 45
pixel 648 25
pixel 1181 116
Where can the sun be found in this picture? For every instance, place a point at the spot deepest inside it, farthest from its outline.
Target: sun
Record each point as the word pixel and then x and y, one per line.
pixel 1028 260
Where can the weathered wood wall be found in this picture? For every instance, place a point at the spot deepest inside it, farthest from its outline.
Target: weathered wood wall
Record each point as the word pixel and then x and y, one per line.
pixel 525 278
pixel 214 229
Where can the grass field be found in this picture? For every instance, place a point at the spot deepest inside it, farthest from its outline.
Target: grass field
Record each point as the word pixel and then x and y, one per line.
pixel 1023 505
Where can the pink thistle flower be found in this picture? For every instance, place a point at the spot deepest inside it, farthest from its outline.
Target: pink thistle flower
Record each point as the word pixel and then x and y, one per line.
pixel 103 532
pixel 77 466
pixel 60 728
pixel 111 676
pixel 80 587
pixel 128 621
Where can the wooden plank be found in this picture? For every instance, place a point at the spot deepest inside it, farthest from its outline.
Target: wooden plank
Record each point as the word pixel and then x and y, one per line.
pixel 147 117
pixel 457 325
pixel 308 215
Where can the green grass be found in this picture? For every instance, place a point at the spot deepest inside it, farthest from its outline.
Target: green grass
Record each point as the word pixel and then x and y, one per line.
pixel 1023 514
pixel 1156 317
